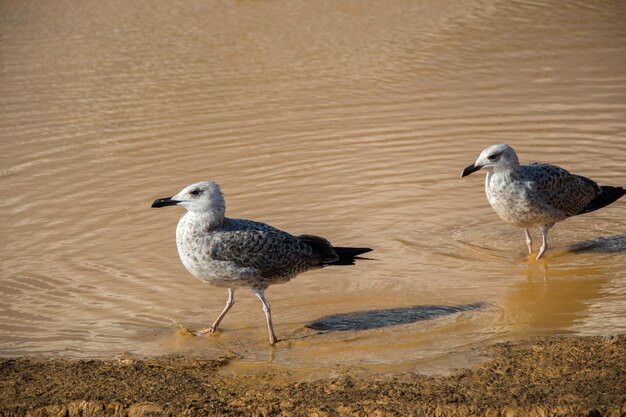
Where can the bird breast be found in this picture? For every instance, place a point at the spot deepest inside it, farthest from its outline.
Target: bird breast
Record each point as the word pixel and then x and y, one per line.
pixel 191 241
pixel 511 201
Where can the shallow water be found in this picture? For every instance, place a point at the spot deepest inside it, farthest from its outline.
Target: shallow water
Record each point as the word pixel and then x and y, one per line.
pixel 350 120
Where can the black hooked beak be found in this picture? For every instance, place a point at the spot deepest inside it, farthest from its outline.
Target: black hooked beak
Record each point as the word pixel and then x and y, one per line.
pixel 162 202
pixel 469 170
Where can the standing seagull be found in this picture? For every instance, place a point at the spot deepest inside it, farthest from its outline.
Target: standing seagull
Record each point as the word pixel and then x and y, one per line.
pixel 234 253
pixel 537 194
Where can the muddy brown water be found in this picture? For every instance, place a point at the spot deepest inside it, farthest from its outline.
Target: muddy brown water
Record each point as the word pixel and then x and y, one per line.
pixel 351 120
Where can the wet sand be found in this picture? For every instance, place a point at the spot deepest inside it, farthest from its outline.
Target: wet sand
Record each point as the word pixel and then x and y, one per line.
pixel 544 377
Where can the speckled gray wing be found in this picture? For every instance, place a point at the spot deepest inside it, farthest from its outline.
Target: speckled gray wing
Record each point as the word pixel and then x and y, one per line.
pixel 558 188
pixel 274 253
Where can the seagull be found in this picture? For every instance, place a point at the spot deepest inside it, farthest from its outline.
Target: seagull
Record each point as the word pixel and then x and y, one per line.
pixel 239 253
pixel 537 194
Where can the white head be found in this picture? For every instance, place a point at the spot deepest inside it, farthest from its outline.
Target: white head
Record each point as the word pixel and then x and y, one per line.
pixel 201 197
pixel 494 158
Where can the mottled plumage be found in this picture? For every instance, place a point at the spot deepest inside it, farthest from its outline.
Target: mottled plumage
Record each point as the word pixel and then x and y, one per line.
pixel 243 253
pixel 236 253
pixel 537 194
pixel 565 192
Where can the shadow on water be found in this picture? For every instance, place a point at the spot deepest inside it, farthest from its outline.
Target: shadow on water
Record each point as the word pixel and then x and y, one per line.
pixel 373 319
pixel 610 244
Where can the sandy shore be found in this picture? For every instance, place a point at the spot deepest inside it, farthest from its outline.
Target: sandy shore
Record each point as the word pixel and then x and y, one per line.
pixel 549 377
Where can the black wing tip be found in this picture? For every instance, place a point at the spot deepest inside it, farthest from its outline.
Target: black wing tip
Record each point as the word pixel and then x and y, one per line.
pixel 348 256
pixel 331 255
pixel 609 195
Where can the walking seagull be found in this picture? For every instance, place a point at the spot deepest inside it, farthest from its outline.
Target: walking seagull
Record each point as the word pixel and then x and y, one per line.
pixel 238 253
pixel 537 194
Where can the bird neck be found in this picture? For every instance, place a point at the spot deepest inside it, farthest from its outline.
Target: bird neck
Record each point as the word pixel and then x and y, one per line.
pixel 206 219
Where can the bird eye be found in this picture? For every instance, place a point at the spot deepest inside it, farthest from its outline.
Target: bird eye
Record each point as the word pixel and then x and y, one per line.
pixel 195 191
pixel 493 157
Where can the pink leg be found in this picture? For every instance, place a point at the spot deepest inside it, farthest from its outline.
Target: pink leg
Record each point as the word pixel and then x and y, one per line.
pixel 215 327
pixel 268 315
pixel 544 236
pixel 529 241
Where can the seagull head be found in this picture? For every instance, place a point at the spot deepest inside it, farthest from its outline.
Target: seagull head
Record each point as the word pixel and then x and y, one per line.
pixel 201 197
pixel 495 157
